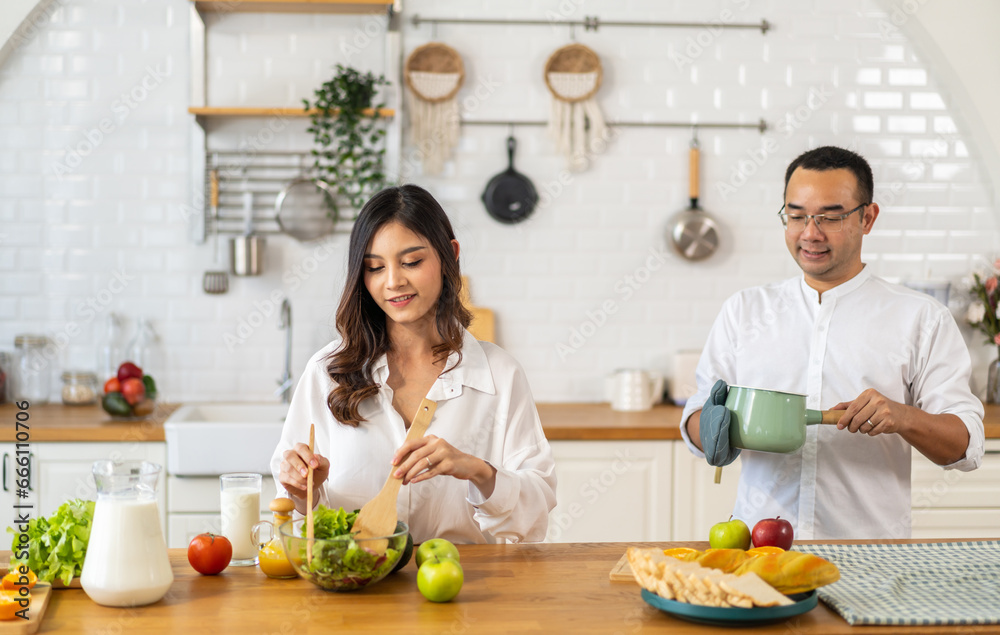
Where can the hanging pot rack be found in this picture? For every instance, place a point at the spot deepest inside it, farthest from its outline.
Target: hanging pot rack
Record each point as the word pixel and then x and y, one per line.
pixel 593 23
pixel 760 126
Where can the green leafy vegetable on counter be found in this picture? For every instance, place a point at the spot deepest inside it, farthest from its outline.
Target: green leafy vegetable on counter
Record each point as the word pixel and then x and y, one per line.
pixel 56 545
pixel 340 560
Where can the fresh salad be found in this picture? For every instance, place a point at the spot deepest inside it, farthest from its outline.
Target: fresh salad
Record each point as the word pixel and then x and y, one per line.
pixel 339 562
pixel 55 546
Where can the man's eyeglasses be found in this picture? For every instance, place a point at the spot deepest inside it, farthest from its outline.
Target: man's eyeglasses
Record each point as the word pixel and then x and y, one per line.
pixel 826 223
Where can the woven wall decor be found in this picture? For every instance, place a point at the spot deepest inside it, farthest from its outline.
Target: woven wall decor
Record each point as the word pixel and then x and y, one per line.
pixel 434 73
pixel 573 75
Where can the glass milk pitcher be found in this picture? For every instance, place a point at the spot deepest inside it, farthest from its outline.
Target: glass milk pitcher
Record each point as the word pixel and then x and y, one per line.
pixel 126 562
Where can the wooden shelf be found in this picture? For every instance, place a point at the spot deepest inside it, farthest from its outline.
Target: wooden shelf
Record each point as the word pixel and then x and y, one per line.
pixel 227 111
pixel 293 6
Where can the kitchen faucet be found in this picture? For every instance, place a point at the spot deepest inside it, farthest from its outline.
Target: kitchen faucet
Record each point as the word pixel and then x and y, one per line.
pixel 285 381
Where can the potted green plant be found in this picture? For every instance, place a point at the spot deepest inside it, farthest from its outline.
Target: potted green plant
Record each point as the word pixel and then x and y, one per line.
pixel 350 151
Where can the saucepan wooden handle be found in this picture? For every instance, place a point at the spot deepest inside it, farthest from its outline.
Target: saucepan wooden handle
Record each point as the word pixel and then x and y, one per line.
pixel 832 416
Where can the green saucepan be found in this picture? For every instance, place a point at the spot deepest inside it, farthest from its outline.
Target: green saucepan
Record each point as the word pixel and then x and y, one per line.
pixel 770 420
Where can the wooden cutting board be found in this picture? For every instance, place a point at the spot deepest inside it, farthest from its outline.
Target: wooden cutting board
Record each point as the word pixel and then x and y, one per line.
pixel 622 572
pixel 39 601
pixel 483 326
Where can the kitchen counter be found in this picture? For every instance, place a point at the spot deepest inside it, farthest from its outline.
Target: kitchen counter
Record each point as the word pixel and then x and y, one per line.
pixel 562 422
pixel 537 588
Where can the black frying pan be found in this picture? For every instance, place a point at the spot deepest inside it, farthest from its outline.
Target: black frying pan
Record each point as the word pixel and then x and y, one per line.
pixel 510 197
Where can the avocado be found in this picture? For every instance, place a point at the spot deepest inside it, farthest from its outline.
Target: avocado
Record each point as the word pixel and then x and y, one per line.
pixel 150 385
pixel 407 553
pixel 114 403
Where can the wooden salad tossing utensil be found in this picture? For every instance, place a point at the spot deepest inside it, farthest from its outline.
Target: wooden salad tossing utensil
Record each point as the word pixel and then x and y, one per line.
pixel 309 497
pixel 378 517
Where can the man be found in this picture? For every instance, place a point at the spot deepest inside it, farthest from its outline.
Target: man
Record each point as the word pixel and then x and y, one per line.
pixel 893 359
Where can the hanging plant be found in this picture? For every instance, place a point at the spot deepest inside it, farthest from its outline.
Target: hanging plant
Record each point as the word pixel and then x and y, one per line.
pixel 350 150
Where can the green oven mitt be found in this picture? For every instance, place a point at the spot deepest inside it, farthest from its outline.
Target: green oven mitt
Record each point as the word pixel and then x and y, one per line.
pixel 714 423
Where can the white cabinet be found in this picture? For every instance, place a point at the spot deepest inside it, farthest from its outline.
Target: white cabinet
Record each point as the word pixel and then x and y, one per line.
pixel 611 491
pixel 62 471
pixel 699 502
pixel 12 460
pixel 194 505
pixel 953 504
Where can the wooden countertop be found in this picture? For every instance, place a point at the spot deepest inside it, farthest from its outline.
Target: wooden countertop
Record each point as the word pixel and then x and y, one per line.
pixel 562 422
pixel 538 588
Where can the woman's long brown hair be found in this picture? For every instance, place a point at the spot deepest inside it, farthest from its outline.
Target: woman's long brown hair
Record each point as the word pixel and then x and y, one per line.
pixel 361 322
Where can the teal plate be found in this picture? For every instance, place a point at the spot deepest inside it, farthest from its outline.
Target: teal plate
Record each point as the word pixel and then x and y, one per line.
pixel 730 616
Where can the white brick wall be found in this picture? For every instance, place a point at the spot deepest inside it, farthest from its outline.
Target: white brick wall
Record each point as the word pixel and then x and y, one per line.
pixel 824 74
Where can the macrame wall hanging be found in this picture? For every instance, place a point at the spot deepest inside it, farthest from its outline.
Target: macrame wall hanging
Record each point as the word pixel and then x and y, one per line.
pixel 434 72
pixel 573 75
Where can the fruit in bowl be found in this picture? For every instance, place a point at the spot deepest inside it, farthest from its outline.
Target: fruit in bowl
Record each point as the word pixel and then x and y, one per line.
pixel 130 394
pixel 339 561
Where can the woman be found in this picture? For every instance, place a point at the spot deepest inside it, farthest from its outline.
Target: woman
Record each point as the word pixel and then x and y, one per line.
pixel 483 473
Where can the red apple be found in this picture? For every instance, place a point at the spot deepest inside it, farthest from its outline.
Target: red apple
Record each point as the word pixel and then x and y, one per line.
pixel 773 532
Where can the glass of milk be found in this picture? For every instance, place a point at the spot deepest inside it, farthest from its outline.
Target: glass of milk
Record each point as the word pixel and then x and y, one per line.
pixel 240 512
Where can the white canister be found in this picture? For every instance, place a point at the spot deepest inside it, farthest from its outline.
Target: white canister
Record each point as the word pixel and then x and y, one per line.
pixel 634 389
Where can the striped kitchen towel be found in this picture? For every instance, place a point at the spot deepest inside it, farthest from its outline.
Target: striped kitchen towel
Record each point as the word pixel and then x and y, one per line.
pixel 914 584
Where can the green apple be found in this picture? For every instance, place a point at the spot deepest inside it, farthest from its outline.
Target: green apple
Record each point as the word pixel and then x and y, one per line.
pixel 440 579
pixel 729 534
pixel 438 547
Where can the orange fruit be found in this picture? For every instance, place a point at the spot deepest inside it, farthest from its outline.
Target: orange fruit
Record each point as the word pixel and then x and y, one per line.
pixel 10 581
pixel 681 553
pixel 9 605
pixel 764 551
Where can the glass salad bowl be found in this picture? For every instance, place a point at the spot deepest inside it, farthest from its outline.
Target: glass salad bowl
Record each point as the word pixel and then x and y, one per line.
pixel 341 563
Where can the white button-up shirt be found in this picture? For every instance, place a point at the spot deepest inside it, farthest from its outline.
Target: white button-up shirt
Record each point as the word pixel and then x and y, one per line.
pixel 484 408
pixel 866 333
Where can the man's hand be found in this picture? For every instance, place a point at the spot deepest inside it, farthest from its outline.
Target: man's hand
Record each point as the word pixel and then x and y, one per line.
pixel 714 427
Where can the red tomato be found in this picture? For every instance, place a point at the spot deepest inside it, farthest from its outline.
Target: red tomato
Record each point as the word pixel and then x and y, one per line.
pixel 209 554
pixel 128 369
pixel 133 390
pixel 112 385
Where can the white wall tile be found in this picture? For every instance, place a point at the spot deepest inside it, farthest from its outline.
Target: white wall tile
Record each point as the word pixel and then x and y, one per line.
pixel 851 84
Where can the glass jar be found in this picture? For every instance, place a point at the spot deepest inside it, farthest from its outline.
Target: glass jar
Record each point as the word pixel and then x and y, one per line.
pixel 5 376
pixel 79 388
pixel 34 375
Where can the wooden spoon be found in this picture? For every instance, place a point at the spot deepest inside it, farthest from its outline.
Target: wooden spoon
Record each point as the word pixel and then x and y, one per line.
pixel 378 517
pixel 309 497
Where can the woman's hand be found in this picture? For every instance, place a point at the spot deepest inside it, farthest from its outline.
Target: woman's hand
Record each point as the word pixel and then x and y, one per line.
pixel 295 470
pixel 429 456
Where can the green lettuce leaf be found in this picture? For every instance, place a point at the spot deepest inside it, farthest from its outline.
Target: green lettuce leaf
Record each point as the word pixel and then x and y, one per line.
pixel 57 545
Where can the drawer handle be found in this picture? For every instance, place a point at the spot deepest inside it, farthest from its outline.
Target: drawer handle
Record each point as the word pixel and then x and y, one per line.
pixel 4 467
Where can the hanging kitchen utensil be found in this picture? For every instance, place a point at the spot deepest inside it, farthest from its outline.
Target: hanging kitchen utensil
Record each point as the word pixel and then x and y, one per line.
pixel 378 516
pixel 693 233
pixel 434 73
pixel 510 197
pixel 215 281
pixel 573 75
pixel 247 250
pixel 306 209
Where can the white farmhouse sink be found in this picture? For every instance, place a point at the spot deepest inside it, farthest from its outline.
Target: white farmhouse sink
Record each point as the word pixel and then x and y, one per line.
pixel 216 438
